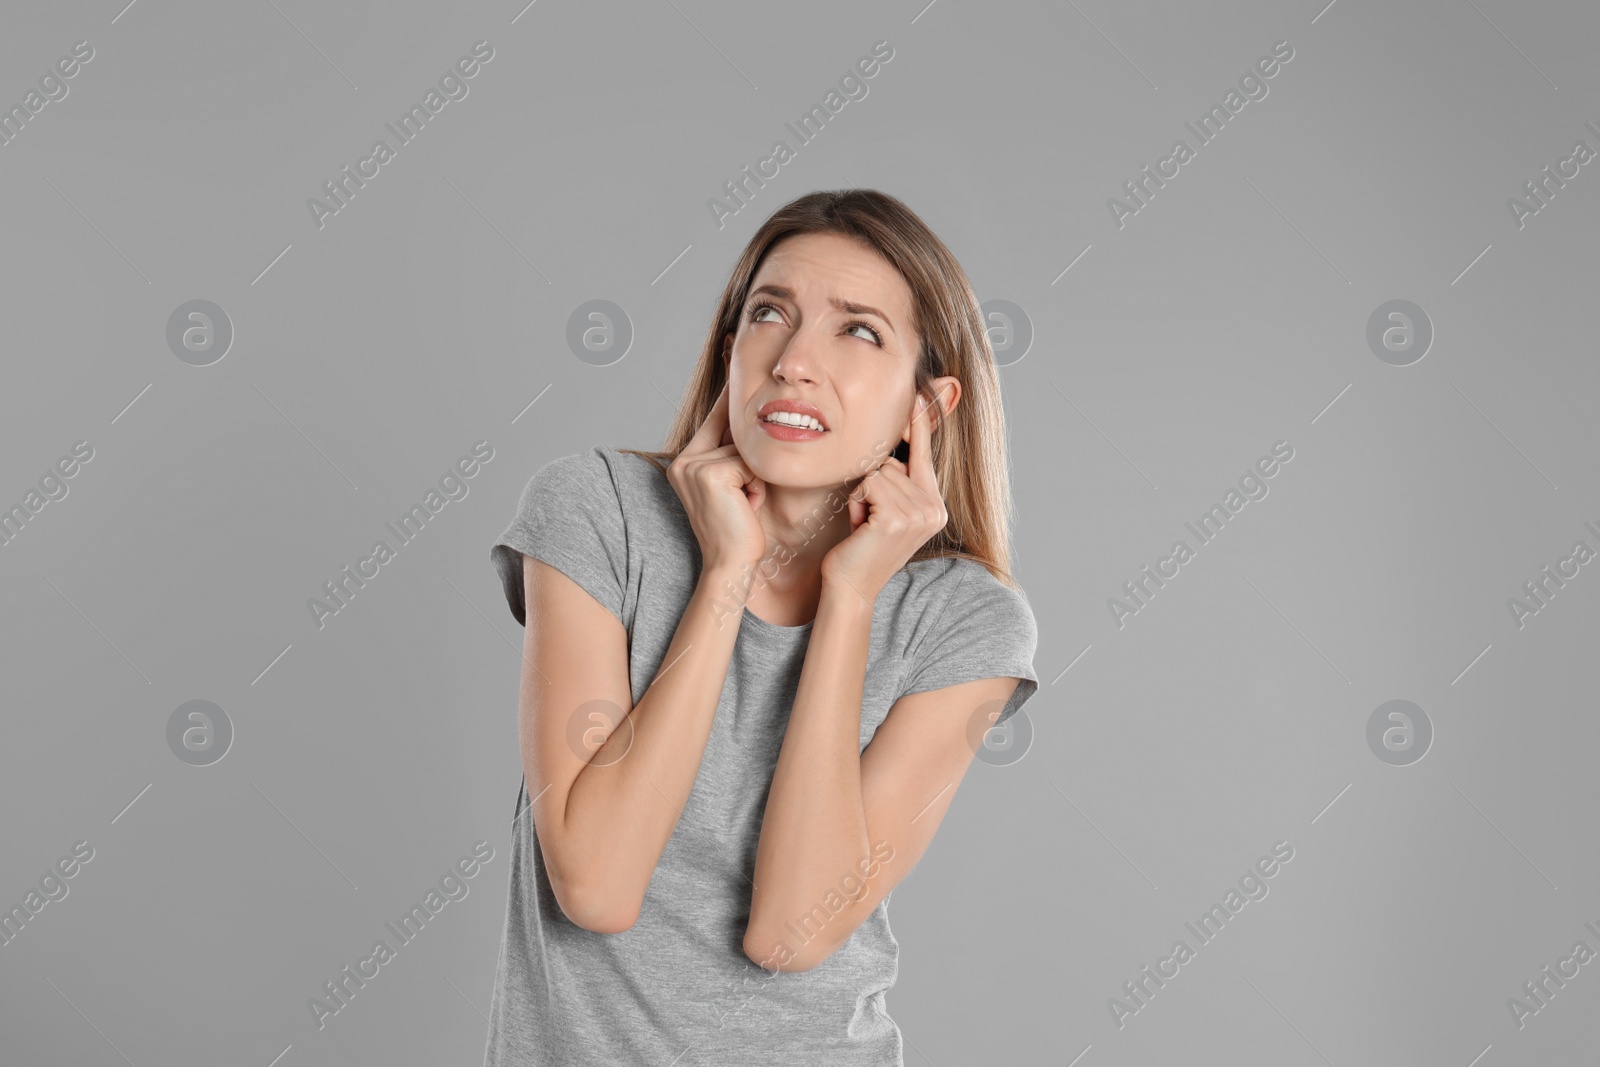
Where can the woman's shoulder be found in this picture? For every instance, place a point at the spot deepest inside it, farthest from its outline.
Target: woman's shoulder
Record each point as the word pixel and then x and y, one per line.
pixel 599 467
pixel 956 591
pixel 961 621
pixel 640 480
pixel 633 462
pixel 946 575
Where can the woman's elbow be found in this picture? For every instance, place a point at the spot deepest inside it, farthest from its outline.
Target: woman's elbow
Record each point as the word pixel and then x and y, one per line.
pixel 608 923
pixel 594 912
pixel 775 955
pixel 586 896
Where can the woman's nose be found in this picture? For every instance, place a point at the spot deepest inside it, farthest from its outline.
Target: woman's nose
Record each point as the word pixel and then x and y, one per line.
pixel 798 362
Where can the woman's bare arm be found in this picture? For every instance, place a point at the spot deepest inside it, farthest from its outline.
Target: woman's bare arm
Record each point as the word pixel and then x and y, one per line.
pixel 604 816
pixel 842 824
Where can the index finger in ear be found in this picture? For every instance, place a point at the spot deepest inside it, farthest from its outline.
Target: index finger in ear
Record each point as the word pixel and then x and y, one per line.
pixel 709 435
pixel 921 458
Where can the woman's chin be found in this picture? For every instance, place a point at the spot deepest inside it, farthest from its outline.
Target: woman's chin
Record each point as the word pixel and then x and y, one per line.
pixel 794 466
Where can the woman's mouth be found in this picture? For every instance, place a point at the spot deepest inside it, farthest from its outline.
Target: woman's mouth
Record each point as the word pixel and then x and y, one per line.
pixel 788 427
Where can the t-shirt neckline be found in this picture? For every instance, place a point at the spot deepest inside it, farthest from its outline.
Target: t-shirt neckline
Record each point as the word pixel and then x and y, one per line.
pixel 772 627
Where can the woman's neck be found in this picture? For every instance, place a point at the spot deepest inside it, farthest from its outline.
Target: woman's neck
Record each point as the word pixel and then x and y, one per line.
pixel 802 525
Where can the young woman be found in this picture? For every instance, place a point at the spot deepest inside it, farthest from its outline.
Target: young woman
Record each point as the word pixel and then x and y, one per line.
pixel 758 664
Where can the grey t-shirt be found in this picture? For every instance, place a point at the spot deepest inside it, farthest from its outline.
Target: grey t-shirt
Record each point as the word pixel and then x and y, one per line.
pixel 676 989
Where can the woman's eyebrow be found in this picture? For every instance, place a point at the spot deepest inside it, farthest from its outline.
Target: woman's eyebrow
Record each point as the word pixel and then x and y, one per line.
pixel 847 306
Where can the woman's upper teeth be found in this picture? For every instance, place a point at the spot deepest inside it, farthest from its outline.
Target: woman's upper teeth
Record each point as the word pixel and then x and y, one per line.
pixel 790 418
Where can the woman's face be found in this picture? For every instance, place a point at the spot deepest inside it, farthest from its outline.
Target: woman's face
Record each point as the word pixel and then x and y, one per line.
pixel 852 368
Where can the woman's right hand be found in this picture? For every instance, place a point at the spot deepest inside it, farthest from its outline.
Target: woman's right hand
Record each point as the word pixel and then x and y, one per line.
pixel 720 494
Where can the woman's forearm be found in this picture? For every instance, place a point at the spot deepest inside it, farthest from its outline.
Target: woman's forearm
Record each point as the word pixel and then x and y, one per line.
pixel 815 830
pixel 623 806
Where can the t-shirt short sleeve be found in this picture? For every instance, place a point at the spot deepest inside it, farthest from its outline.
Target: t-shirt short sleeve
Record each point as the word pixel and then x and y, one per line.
pixel 570 516
pixel 986 629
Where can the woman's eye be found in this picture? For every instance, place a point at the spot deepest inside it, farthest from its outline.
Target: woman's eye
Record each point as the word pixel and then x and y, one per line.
pixel 876 339
pixel 761 309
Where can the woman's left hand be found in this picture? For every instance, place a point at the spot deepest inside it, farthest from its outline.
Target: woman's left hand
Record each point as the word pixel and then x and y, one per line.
pixel 899 510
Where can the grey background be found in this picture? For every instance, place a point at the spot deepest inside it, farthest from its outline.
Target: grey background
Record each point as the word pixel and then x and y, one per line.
pixel 1228 314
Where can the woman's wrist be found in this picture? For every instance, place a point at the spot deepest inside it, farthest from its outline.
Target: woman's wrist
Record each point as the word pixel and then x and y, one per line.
pixel 726 590
pixel 723 576
pixel 850 593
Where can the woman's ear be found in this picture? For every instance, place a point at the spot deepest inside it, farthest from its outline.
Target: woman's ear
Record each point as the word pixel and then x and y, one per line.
pixel 946 393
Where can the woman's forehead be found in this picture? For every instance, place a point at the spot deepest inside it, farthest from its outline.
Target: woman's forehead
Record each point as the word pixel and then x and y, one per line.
pixel 835 270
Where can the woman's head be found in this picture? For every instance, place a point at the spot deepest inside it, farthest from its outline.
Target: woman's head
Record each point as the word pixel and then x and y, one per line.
pixel 847 303
pixel 827 326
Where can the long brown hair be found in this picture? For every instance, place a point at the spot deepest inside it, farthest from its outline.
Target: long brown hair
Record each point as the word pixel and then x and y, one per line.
pixel 969 446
